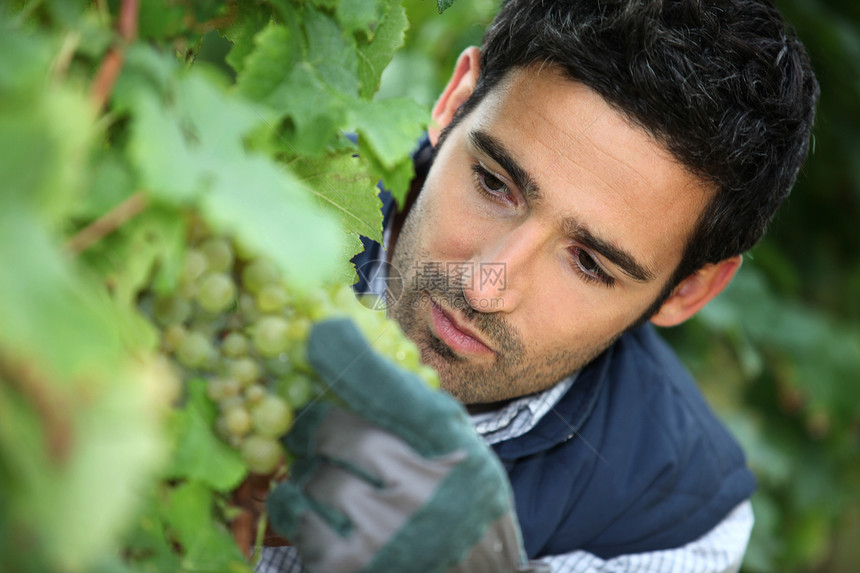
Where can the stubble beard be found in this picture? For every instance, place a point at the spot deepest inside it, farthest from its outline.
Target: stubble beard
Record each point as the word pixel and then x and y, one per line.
pixel 515 370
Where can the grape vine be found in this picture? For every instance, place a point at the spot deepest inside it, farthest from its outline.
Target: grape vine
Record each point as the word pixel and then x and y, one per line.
pixel 180 206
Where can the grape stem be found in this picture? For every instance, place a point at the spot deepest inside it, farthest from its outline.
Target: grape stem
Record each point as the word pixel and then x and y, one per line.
pixel 112 63
pixel 107 223
pixel 49 404
pixel 217 23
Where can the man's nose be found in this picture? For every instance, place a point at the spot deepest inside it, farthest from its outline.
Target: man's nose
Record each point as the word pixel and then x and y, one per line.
pixel 502 270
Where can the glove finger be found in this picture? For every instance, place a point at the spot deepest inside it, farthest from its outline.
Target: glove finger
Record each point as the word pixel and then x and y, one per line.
pixel 431 422
pixel 301 437
pixel 287 506
pixel 333 436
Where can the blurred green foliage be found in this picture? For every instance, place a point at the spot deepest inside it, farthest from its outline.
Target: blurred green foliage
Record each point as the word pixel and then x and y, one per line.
pixel 778 354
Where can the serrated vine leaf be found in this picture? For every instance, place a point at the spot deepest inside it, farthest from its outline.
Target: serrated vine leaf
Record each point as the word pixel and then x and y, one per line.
pixel 198 453
pixel 444 4
pixel 205 547
pixel 252 17
pixel 344 188
pixel 360 15
pixel 388 131
pixel 375 54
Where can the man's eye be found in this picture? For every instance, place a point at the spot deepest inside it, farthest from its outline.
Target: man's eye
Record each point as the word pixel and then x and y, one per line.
pixel 489 183
pixel 492 183
pixel 589 268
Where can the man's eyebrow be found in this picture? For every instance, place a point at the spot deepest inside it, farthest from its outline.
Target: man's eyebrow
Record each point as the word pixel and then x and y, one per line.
pixel 607 249
pixel 493 148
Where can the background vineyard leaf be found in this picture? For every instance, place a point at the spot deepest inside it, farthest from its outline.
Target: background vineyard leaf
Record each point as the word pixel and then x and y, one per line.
pixel 375 53
pixel 199 454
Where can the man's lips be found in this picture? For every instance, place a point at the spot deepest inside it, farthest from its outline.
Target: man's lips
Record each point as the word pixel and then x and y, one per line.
pixel 455 334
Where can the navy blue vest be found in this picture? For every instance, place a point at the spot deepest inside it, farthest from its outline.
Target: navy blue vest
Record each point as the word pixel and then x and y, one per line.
pixel 631 459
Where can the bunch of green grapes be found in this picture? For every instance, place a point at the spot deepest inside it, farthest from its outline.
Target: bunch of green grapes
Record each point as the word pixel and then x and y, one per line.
pixel 234 321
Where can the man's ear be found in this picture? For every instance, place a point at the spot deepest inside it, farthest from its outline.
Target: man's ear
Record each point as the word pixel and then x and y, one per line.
pixel 459 88
pixel 696 291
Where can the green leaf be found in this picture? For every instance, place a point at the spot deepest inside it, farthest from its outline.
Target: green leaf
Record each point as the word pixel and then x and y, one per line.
pixel 205 546
pixel 343 187
pixel 47 310
pixel 251 18
pixel 167 166
pixel 444 4
pixel 331 53
pixel 317 112
pixel 43 141
pixel 391 127
pixel 308 75
pixel 199 454
pixel 24 58
pixel 360 15
pixel 66 12
pixel 159 19
pixel 388 131
pixel 147 544
pixel 375 53
pixel 146 72
pixel 111 183
pixel 270 212
pixel 120 447
pixel 276 74
pixel 193 152
pixel 396 179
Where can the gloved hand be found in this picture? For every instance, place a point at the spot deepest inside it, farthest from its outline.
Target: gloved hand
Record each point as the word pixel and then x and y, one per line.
pixel 400 482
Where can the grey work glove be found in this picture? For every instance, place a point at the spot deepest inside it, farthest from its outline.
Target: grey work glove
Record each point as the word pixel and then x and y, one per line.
pixel 399 483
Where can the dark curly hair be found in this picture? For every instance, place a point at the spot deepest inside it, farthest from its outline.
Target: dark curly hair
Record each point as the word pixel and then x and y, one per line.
pixel 724 85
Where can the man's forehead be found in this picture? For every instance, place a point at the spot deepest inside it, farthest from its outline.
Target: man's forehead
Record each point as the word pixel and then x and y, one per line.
pixel 554 118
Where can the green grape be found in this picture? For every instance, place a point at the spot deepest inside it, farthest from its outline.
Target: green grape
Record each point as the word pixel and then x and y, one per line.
pixel 215 389
pixel 195 350
pixel 298 330
pixel 194 266
pixel 219 389
pixel 254 393
pixel 299 358
pixel 272 298
pixel 428 375
pixel 218 253
pixel 234 345
pixel 297 388
pixel 407 356
pixel 259 273
pixel 237 420
pixel 261 455
pixel 244 370
pixel 272 416
pixel 271 335
pixel 246 333
pixel 173 336
pixel 171 310
pixel 229 402
pixel 317 305
pixel 216 292
pixel 279 365
pixel 248 307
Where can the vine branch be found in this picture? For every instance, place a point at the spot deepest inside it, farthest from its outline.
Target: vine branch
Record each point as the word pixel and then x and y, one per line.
pixel 113 61
pixel 107 223
pixel 50 406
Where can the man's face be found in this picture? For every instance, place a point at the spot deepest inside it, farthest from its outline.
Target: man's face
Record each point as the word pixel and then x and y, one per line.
pixel 547 225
